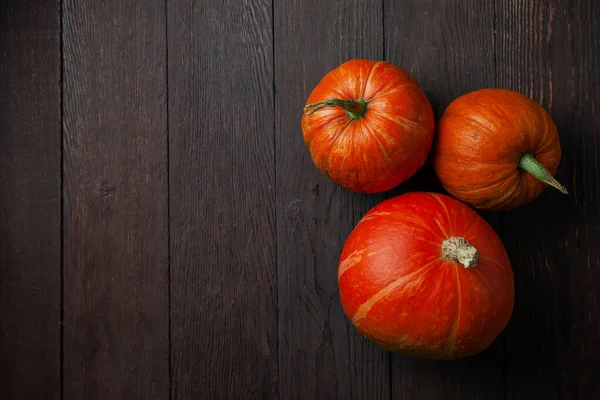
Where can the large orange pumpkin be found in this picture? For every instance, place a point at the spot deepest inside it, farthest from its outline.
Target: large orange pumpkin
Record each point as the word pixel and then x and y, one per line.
pixel 422 274
pixel 368 125
pixel 496 149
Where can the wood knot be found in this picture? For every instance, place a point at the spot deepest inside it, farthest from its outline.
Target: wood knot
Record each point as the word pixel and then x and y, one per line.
pixel 102 189
pixel 294 210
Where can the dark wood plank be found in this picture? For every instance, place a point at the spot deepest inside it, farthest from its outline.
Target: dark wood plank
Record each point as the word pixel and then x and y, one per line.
pixel 116 202
pixel 448 48
pixel 30 151
pixel 550 52
pixel 224 292
pixel 321 355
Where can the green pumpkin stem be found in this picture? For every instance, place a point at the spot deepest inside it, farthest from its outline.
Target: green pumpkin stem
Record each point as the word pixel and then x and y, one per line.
pixel 355 108
pixel 529 163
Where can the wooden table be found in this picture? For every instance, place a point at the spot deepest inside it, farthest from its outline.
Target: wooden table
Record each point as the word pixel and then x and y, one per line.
pixel 164 233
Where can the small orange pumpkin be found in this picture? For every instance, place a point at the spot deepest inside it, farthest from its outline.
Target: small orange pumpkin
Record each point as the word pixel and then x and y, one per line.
pixel 368 126
pixel 496 149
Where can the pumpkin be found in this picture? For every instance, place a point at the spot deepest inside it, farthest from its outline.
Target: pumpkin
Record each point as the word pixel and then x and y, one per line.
pixel 368 126
pixel 422 274
pixel 496 149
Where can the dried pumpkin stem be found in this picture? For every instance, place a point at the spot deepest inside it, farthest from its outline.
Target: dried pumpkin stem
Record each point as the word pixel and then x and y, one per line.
pixel 529 163
pixel 355 108
pixel 458 250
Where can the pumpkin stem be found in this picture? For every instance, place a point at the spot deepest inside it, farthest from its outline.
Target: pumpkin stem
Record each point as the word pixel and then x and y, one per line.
pixel 355 108
pixel 529 163
pixel 458 250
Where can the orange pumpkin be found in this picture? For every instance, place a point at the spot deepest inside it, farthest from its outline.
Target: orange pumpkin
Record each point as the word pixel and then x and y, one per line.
pixel 423 275
pixel 496 149
pixel 368 126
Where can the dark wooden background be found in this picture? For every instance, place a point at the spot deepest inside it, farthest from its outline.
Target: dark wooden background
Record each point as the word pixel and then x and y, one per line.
pixel 164 234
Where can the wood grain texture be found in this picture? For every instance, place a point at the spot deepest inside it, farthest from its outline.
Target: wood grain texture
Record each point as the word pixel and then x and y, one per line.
pixel 550 52
pixel 200 244
pixel 449 50
pixel 115 192
pixel 224 292
pixel 30 222
pixel 321 355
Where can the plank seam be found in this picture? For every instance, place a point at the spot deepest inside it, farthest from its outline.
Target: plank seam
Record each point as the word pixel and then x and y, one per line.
pixel 494 47
pixel 61 334
pixel 383 29
pixel 274 189
pixel 169 344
